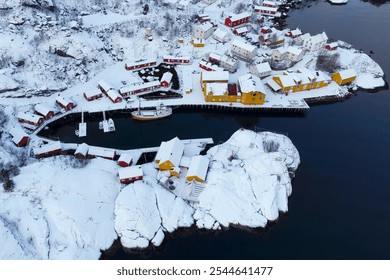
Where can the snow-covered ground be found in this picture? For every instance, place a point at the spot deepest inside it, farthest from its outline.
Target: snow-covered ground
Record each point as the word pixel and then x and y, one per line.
pixel 62 209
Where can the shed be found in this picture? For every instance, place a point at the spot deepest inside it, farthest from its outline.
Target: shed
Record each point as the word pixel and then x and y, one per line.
pixel 81 151
pixel 166 79
pixel 19 137
pixel 93 95
pixel 65 103
pixel 44 110
pixel 130 174
pixel 198 169
pixel 169 154
pixel 114 96
pixel 344 77
pixel 125 160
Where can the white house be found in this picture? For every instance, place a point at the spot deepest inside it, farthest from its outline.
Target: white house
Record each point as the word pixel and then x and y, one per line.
pixel 316 42
pixel 261 70
pixel 243 50
pixel 291 53
pixel 221 36
pixel 204 30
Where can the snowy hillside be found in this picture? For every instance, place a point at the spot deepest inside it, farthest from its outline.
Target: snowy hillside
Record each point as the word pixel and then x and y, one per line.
pixel 61 208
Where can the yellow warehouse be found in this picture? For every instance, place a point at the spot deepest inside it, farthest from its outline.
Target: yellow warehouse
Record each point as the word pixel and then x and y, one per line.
pixel 344 77
pixel 252 90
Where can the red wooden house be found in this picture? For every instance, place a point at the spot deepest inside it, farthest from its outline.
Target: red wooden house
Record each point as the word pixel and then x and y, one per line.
pixel 125 160
pixel 130 174
pixel 94 152
pixel 104 87
pixel 139 88
pixel 176 59
pixel 48 150
pixel 45 111
pixel 331 46
pixel 30 119
pixel 19 137
pixel 114 96
pixel 65 103
pixel 241 31
pixel 166 79
pixel 264 10
pixel 236 20
pixel 93 95
pixel 140 64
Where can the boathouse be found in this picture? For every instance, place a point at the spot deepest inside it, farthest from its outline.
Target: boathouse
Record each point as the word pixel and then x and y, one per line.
pixel 94 152
pixel 169 154
pixel 81 151
pixel 44 110
pixel 243 50
pixel 204 30
pixel 344 77
pixel 65 103
pixel 261 70
pixel 139 88
pixel 31 119
pixel 221 36
pixel 48 150
pixel 114 96
pixel 198 169
pixel 252 89
pixel 19 136
pixel 130 174
pixel 125 160
pixel 238 19
pixel 104 87
pixel 93 95
pixel 139 64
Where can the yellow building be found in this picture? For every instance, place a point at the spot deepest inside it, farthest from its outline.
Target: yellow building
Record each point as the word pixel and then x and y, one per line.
pixel 252 90
pixel 169 154
pixel 218 92
pixel 198 169
pixel 213 77
pixel 285 82
pixel 344 77
pixel 198 43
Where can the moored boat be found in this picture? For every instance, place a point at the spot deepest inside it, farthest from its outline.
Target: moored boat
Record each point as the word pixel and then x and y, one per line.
pixel 150 114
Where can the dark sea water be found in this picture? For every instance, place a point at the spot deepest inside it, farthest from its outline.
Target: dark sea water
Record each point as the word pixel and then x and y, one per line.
pixel 340 205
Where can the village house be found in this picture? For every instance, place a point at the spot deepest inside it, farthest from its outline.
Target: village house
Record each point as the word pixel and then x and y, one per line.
pixel 241 31
pixel 243 50
pixel 238 19
pixel 93 95
pixel 267 3
pixel 134 65
pixel 114 96
pixel 226 62
pixel 221 36
pixel 94 152
pixel 48 150
pixel 81 151
pixel 344 77
pixel 176 59
pixel 166 79
pixel 19 136
pixel 169 154
pixel 331 46
pixel 294 33
pixel 219 92
pixel 204 30
pixel 252 89
pixel 198 169
pixel 44 110
pixel 30 119
pixel 271 37
pixel 261 70
pixel 267 11
pixel 203 17
pixel 208 66
pixel 213 77
pixel 139 88
pixel 130 174
pixel 316 42
pixel 291 53
pixel 65 103
pixel 125 160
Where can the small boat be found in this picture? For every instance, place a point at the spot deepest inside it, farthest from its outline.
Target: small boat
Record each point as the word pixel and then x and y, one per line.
pixel 148 115
pixel 111 125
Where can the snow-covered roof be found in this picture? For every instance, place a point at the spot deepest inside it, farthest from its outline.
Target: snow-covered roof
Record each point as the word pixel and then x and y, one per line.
pixel 113 94
pixel 287 80
pixel 43 109
pixel 271 82
pixel 219 33
pixel 130 172
pixel 82 149
pixel 215 56
pixel 48 148
pixel 198 167
pixel 206 26
pixel 139 86
pixel 29 117
pixel 167 77
pixel 171 150
pixel 211 76
pixel 90 94
pixel 125 158
pixel 296 32
pixel 242 29
pixel 210 65
pixel 101 152
pixel 333 45
pixel 106 86
pixel 244 45
pixel 346 74
pixel 17 134
pixel 271 3
pixel 294 50
pixel 308 73
pixel 185 161
pixel 176 57
pixel 282 50
pixel 218 89
pixel 318 38
pixel 140 62
pixel 250 83
pixel 263 67
pixel 240 16
pixel 264 8
pixel 63 101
